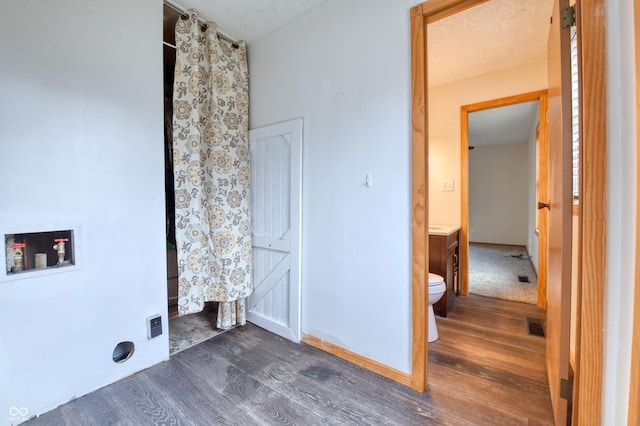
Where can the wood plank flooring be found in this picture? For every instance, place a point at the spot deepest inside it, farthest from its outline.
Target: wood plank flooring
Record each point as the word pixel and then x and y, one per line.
pixel 484 370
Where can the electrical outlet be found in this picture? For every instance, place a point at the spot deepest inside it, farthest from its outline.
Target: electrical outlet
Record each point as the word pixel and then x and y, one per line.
pixel 154 326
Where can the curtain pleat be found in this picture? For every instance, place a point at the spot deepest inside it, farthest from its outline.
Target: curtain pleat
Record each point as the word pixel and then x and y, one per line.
pixel 211 171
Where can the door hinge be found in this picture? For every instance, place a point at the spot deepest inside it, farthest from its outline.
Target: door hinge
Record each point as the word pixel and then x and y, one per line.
pixel 566 389
pixel 569 17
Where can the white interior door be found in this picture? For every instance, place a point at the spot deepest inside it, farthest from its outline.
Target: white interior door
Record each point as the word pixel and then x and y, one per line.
pixel 276 208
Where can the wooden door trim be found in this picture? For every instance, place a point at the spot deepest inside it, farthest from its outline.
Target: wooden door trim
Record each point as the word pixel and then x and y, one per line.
pixel 435 10
pixel 419 201
pixel 587 401
pixel 541 97
pixel 420 15
pixel 588 384
pixel 634 377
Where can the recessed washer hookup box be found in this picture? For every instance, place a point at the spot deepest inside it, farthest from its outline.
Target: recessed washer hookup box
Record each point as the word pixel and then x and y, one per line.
pixel 34 251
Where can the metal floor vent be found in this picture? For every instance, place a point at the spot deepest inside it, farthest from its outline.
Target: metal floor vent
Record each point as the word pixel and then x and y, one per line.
pixel 535 327
pixel 523 278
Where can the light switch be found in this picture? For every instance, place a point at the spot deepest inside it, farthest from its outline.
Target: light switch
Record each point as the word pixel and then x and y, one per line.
pixel 447 185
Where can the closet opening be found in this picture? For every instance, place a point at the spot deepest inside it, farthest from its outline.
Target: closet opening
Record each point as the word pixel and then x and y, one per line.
pixel 188 330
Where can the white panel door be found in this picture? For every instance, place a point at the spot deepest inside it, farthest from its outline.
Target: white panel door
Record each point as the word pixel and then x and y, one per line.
pixel 276 209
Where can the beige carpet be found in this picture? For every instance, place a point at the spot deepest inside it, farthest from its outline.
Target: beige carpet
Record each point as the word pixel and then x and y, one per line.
pixel 189 330
pixel 494 270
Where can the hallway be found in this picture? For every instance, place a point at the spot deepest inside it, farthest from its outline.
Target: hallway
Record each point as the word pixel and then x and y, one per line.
pixel 485 358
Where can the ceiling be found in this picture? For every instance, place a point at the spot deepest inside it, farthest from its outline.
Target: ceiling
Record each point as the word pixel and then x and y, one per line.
pixel 508 124
pixel 249 20
pixel 494 35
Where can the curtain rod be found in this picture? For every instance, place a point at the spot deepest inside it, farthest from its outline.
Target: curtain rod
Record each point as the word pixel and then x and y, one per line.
pixel 173 5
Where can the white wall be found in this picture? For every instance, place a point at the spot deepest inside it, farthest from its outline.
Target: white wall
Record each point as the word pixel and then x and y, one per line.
pixel 498 194
pixel 344 68
pixel 82 86
pixel 532 237
pixel 444 127
pixel 81 146
pixel 621 210
pixel 322 67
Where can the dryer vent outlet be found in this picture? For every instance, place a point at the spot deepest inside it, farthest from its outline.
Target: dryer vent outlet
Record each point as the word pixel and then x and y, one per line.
pixel 154 326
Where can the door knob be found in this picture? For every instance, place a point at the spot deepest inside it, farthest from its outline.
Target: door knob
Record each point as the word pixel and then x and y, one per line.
pixel 542 205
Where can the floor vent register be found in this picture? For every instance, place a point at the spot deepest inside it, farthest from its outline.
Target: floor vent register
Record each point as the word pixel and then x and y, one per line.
pixel 535 326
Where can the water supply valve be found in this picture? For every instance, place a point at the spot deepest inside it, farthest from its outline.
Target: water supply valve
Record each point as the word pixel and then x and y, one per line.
pixel 59 247
pixel 17 256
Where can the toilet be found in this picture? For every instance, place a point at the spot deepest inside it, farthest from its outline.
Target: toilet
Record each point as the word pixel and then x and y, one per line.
pixel 437 287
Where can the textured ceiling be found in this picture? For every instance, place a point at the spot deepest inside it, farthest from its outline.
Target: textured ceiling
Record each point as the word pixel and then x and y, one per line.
pixel 508 124
pixel 494 35
pixel 249 20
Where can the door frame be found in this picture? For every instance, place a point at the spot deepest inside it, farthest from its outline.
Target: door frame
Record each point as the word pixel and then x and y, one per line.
pixel 588 383
pixel 420 16
pixel 634 385
pixel 541 97
pixel 587 397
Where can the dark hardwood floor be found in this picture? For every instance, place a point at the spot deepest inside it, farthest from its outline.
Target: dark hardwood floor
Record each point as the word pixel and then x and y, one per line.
pixel 484 370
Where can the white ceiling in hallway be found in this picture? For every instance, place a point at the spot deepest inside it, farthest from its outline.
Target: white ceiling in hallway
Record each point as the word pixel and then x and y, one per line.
pixel 494 35
pixel 508 124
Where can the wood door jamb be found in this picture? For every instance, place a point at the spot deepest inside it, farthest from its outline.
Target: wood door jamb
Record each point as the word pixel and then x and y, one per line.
pixel 538 95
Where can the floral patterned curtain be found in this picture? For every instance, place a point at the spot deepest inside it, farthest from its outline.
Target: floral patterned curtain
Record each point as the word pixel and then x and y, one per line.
pixel 211 171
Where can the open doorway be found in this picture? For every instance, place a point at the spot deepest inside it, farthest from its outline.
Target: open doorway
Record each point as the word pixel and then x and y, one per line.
pixel 502 168
pixel 535 186
pixel 460 40
pixel 475 64
pixel 591 50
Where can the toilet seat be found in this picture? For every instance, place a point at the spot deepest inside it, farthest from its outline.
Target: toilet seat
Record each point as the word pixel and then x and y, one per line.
pixel 435 279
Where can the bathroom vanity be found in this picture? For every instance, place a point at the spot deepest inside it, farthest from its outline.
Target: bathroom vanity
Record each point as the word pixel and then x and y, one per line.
pixel 444 261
